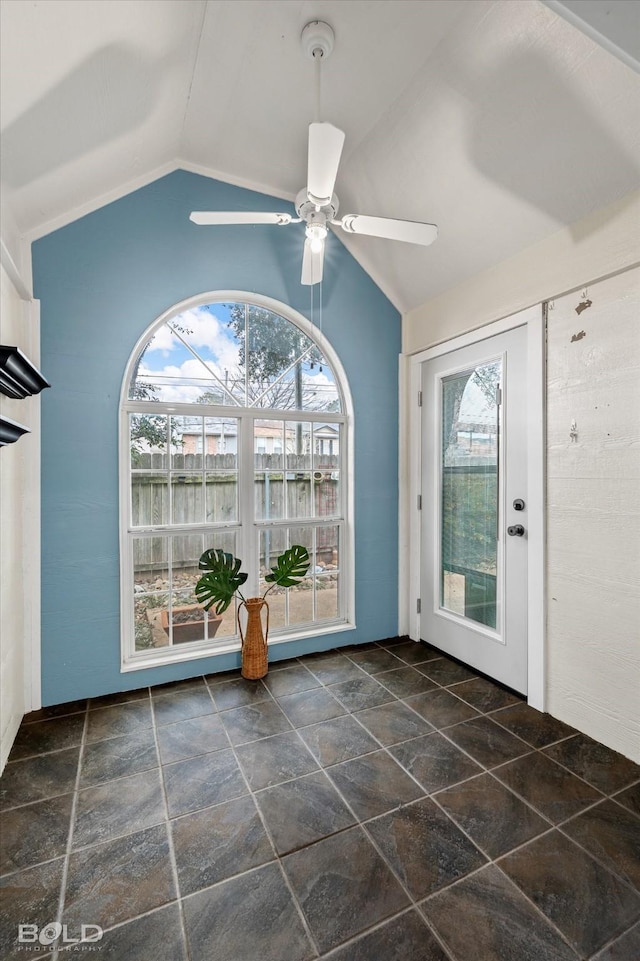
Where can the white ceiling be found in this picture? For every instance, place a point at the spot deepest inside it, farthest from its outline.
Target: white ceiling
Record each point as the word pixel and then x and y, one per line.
pixel 498 120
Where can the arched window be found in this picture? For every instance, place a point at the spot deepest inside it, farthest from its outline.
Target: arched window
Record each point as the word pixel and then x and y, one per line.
pixel 234 421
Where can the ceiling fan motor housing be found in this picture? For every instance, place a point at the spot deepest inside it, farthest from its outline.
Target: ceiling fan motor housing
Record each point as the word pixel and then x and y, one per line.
pixel 310 213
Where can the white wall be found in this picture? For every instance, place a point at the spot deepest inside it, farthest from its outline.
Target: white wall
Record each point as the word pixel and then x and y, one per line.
pixel 593 512
pixel 19 529
pixel 605 243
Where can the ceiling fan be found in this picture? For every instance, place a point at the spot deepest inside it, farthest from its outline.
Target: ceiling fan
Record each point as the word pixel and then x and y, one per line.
pixel 316 204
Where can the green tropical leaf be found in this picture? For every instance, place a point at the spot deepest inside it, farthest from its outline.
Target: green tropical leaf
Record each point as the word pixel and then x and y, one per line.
pixel 222 580
pixel 290 567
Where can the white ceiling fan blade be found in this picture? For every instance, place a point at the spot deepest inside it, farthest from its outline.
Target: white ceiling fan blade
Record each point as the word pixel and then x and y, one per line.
pixel 325 150
pixel 213 217
pixel 410 231
pixel 312 264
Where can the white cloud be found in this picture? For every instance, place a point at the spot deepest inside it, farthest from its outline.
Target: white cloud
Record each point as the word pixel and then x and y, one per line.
pixel 205 331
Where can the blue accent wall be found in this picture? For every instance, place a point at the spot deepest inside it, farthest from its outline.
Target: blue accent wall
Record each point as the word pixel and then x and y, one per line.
pixel 101 282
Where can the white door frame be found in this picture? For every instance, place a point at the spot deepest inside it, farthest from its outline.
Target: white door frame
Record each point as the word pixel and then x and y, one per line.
pixel 411 482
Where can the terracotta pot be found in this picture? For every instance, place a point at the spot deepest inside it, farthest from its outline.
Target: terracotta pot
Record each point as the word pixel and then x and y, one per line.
pixel 190 630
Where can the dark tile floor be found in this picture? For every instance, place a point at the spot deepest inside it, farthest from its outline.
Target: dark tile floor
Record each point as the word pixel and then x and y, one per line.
pixel 379 803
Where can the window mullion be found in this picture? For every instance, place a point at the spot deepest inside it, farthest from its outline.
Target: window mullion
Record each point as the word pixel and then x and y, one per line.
pixel 248 531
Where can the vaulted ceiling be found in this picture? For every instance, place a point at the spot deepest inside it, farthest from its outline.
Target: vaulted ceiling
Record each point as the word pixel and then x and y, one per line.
pixel 498 120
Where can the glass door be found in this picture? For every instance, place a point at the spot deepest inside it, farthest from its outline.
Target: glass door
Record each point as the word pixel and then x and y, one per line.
pixel 474 469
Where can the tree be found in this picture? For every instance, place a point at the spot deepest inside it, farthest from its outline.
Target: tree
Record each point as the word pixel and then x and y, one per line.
pixel 270 345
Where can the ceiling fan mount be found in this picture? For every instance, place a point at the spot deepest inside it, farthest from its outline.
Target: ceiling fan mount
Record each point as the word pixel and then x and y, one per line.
pixel 316 204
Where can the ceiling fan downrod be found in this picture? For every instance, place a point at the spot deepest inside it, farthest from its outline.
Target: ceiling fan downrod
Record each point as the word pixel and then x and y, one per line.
pixel 317 40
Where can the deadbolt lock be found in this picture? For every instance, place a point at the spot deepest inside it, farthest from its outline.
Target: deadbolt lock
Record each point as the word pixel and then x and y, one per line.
pixel 518 504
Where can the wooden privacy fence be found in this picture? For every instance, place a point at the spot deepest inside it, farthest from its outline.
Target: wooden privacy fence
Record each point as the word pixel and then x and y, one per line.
pixel 204 490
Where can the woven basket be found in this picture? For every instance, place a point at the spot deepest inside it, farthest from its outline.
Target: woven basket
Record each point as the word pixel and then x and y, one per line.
pixel 254 639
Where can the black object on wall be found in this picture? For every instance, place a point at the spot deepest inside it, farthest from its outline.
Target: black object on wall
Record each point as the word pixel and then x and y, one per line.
pixel 19 378
pixel 10 431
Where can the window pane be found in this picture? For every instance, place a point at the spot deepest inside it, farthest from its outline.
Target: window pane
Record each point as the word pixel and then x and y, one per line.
pixel 151 590
pixel 193 358
pixel 149 498
pixel 147 436
pixel 469 493
pixel 223 541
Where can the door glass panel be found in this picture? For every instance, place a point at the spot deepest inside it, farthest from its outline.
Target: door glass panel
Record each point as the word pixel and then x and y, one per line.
pixel 469 493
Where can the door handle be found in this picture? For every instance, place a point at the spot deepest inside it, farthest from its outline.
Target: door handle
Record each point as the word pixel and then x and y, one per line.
pixel 517 530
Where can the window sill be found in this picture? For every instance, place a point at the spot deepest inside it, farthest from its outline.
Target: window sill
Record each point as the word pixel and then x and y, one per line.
pixel 142 661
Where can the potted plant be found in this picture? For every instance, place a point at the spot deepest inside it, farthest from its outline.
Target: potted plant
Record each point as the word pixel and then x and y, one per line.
pixel 224 579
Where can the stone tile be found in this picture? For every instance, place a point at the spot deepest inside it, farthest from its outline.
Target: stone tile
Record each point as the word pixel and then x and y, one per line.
pixel 303 811
pixel 424 847
pixel 119 697
pixel 445 671
pixel 37 778
pixel 335 670
pixel 611 834
pixel 393 722
pixel 255 721
pixel 199 782
pixel 118 880
pixel 156 936
pixel 375 660
pixel 118 757
pixel 216 843
pixel 310 707
pixel 337 740
pixel 434 761
pixel 34 833
pixel 551 789
pixel 27 897
pixel 239 693
pixel 343 887
pixel 484 695
pixel 56 710
pixel 587 903
pixel 361 693
pixel 169 708
pixel 118 807
pixel 249 918
pixel 487 742
pixel 607 770
pixel 373 784
pixel 405 682
pixel 275 759
pixel 221 677
pixel 532 726
pixel 491 815
pixel 440 708
pixel 291 680
pixel 412 652
pixel 197 735
pixel 486 918
pixel 405 938
pixel 391 642
pixel 127 718
pixel 283 664
pixel 42 737
pixel 630 798
pixel 626 948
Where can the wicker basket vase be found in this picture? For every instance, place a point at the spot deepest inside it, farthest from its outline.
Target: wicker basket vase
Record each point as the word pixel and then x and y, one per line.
pixel 254 638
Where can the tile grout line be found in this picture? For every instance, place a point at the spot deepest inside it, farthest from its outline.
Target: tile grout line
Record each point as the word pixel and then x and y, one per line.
pixel 74 805
pixel 167 825
pixel 277 857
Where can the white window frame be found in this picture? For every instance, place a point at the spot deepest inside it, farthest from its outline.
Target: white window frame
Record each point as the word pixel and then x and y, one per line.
pixel 248 527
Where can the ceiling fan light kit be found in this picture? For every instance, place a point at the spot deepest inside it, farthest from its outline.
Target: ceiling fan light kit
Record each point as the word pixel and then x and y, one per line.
pixel 316 204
